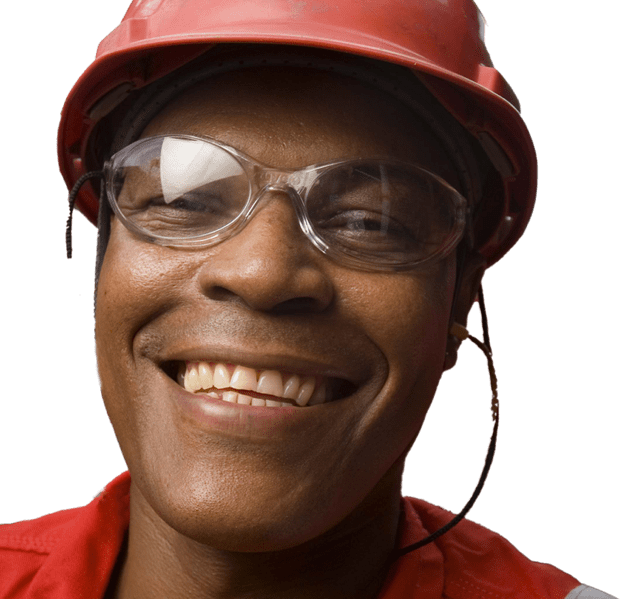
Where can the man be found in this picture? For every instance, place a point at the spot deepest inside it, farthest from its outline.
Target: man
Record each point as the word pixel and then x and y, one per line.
pixel 286 230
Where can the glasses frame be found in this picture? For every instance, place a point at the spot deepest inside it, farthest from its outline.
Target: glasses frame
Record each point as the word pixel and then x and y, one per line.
pixel 297 184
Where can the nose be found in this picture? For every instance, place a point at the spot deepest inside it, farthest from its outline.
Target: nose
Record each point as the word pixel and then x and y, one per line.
pixel 269 265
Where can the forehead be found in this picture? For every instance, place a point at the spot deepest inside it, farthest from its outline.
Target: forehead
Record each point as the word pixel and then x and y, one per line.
pixel 293 117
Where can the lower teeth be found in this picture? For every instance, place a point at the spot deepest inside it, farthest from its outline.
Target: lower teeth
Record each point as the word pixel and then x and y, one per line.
pixel 240 398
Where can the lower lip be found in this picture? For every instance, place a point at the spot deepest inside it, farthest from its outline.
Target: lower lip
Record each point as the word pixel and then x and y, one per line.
pixel 239 420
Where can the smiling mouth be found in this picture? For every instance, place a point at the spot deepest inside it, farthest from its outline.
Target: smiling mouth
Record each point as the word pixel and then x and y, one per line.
pixel 251 387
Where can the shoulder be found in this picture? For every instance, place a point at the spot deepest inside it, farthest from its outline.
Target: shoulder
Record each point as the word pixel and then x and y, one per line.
pixel 40 534
pixel 67 553
pixel 25 546
pixel 479 563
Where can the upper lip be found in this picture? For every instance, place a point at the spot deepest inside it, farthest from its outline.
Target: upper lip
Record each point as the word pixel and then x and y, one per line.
pixel 264 361
pixel 231 338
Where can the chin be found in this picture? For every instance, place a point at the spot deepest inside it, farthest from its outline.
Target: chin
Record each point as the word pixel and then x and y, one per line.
pixel 223 513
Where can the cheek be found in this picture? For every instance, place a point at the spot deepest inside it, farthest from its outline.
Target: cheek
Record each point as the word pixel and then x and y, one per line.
pixel 406 315
pixel 138 280
pixel 420 323
pixel 408 322
pixel 136 283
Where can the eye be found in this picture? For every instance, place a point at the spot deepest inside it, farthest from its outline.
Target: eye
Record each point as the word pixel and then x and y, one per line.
pixel 366 228
pixel 189 202
pixel 362 221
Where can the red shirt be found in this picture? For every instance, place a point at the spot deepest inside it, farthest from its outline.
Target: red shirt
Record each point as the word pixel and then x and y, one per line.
pixel 71 554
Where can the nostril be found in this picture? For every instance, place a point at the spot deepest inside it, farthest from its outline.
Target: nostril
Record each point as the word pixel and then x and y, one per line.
pixel 220 293
pixel 296 305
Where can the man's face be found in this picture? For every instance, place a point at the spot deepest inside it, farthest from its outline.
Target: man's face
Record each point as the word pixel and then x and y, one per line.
pixel 258 478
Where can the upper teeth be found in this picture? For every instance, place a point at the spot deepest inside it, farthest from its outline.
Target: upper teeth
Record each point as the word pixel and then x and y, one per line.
pixel 209 377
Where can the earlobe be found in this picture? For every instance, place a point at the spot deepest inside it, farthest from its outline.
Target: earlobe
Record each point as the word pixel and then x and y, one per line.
pixel 458 334
pixel 452 347
pixel 464 298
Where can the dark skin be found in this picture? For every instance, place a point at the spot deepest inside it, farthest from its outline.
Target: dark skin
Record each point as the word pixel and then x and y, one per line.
pixel 312 508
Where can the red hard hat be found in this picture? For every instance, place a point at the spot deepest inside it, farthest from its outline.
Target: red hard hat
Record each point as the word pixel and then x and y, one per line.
pixel 441 40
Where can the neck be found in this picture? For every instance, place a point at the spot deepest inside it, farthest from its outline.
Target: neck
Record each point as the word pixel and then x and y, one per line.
pixel 349 561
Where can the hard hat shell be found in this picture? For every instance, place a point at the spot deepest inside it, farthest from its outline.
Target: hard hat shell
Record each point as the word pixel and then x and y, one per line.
pixel 441 40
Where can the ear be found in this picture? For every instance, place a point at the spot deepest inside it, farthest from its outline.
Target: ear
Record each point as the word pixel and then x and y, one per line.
pixel 465 296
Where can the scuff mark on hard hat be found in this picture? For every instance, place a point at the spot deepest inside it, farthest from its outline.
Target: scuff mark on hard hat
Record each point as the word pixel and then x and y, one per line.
pixel 297 7
pixel 320 7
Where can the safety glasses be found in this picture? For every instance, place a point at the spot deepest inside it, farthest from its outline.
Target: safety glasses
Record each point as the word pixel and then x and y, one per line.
pixel 372 214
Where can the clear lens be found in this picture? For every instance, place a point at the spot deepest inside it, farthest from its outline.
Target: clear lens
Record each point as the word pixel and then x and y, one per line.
pixel 180 190
pixel 391 212
pixel 177 188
